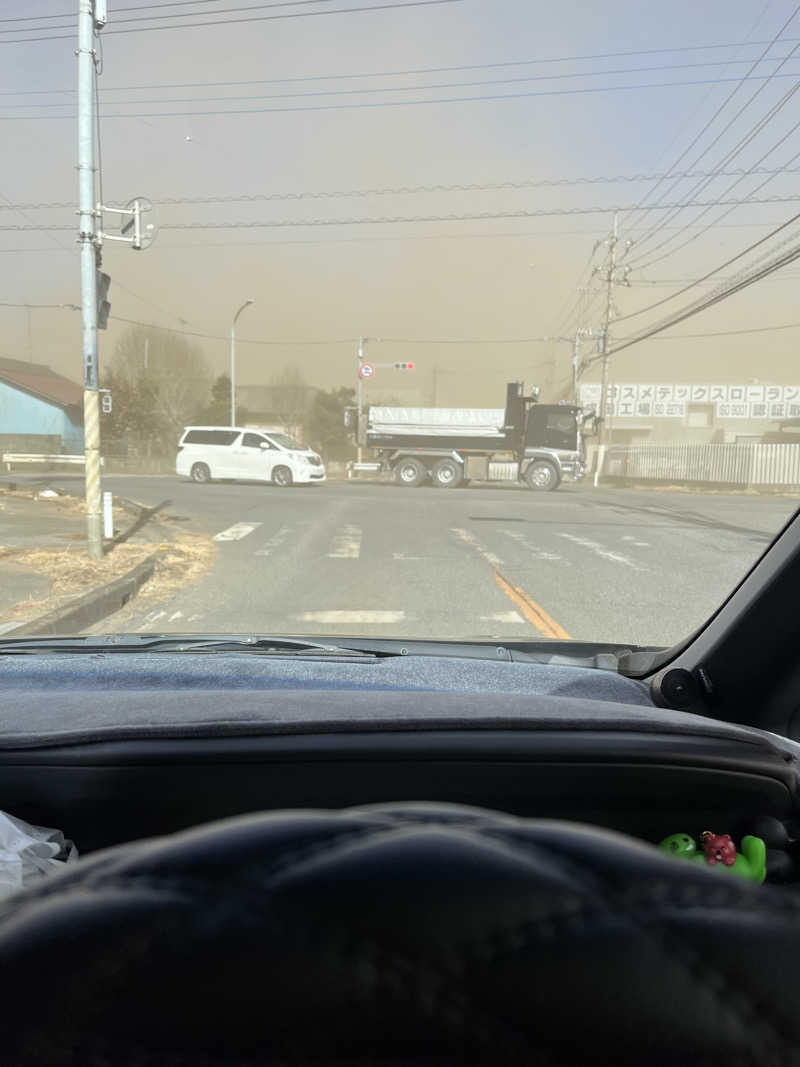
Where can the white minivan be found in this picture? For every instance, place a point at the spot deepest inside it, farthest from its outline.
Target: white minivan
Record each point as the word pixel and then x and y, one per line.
pixel 206 453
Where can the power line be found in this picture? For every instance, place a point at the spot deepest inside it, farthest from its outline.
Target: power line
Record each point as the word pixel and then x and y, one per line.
pixel 234 22
pixel 486 97
pixel 739 255
pixel 403 190
pixel 700 186
pixel 713 223
pixel 40 307
pixel 728 333
pixel 137 7
pixel 396 340
pixel 722 107
pixel 416 70
pixel 178 15
pixel 393 219
pixel 737 148
pixel 226 337
pixel 788 257
pixel 391 88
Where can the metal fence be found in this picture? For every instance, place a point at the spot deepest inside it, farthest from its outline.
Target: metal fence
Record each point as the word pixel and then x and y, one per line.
pixel 745 465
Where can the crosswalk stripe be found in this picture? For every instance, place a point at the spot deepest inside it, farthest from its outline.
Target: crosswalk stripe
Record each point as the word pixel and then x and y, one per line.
pixel 346 543
pixel 600 550
pixel 237 531
pixel 536 553
pixel 274 542
pixel 338 617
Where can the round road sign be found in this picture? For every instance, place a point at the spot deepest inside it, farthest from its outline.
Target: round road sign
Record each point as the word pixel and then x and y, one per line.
pixel 366 370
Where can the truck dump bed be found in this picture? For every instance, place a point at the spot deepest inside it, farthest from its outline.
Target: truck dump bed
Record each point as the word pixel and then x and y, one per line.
pixel 436 422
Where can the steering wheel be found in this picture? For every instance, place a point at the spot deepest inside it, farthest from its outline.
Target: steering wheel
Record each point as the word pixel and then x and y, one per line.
pixel 410 934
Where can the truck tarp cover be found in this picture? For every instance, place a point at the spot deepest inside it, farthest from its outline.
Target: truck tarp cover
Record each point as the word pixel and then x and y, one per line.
pixel 433 422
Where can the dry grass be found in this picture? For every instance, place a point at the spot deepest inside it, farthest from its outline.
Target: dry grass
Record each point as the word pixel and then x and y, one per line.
pixel 72 573
pixel 183 562
pixel 61 504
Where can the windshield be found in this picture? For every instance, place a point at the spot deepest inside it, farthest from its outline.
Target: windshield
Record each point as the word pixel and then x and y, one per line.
pixel 285 441
pixel 511 286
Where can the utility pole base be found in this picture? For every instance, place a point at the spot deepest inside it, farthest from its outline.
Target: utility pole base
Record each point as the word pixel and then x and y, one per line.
pixel 94 536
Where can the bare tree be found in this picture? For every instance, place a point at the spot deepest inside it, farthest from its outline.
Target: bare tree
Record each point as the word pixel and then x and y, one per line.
pixel 165 381
pixel 291 398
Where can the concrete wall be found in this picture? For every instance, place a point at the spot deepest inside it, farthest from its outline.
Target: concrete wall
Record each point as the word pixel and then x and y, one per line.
pixel 21 413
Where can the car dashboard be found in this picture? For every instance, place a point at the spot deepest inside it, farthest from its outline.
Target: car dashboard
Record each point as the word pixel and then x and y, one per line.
pixel 112 747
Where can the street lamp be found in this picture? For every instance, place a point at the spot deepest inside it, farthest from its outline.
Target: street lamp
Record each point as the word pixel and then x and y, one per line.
pixel 247 303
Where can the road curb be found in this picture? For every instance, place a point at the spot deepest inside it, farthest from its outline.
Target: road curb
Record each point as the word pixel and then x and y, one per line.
pixel 86 610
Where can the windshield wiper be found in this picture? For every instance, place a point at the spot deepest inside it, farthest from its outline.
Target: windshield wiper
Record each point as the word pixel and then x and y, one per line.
pixel 263 645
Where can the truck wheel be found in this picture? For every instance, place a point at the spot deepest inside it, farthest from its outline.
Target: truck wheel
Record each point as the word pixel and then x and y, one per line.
pixel 282 477
pixel 200 473
pixel 410 472
pixel 447 474
pixel 542 476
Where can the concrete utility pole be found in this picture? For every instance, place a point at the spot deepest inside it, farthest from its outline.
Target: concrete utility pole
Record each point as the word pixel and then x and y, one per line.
pixel 89 252
pixel 246 304
pixel 609 279
pixel 359 400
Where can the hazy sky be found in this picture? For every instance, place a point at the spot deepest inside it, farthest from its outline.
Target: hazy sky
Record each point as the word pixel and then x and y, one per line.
pixel 299 79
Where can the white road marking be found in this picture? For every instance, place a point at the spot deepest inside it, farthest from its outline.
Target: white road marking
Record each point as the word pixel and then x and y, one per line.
pixel 636 543
pixel 152 616
pixel 237 531
pixel 346 543
pixel 601 550
pixel 474 543
pixel 504 616
pixel 274 542
pixel 407 559
pixel 194 618
pixel 377 618
pixel 536 553
pixel 177 615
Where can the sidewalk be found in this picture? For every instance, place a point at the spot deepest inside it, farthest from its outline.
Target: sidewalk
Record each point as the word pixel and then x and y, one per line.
pixel 43 559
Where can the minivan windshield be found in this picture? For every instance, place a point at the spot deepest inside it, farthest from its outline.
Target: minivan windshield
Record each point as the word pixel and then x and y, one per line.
pixel 511 288
pixel 285 441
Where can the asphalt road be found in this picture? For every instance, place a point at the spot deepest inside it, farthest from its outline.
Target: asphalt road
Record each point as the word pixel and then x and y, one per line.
pixel 644 567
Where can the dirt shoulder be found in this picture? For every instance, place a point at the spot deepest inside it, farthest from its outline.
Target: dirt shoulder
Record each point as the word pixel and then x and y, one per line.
pixel 44 565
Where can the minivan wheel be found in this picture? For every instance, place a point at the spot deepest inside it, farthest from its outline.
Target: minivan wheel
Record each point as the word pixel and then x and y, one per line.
pixel 200 473
pixel 282 477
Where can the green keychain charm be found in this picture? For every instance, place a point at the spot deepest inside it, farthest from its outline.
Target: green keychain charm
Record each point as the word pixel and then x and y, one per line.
pixel 719 851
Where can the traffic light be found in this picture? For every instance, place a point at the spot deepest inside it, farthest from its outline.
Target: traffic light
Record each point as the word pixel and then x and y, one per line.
pixel 403 366
pixel 103 306
pixel 105 402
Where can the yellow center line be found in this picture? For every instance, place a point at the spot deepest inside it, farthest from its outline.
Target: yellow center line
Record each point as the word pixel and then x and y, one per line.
pixel 535 615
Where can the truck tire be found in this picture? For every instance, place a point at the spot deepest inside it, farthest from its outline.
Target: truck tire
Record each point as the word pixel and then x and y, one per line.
pixel 410 472
pixel 447 474
pixel 542 476
pixel 200 473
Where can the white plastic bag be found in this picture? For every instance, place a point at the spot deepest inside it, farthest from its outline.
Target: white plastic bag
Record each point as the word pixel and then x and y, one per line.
pixel 30 852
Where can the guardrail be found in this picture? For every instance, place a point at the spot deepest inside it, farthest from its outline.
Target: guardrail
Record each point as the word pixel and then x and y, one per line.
pixel 742 465
pixel 10 459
